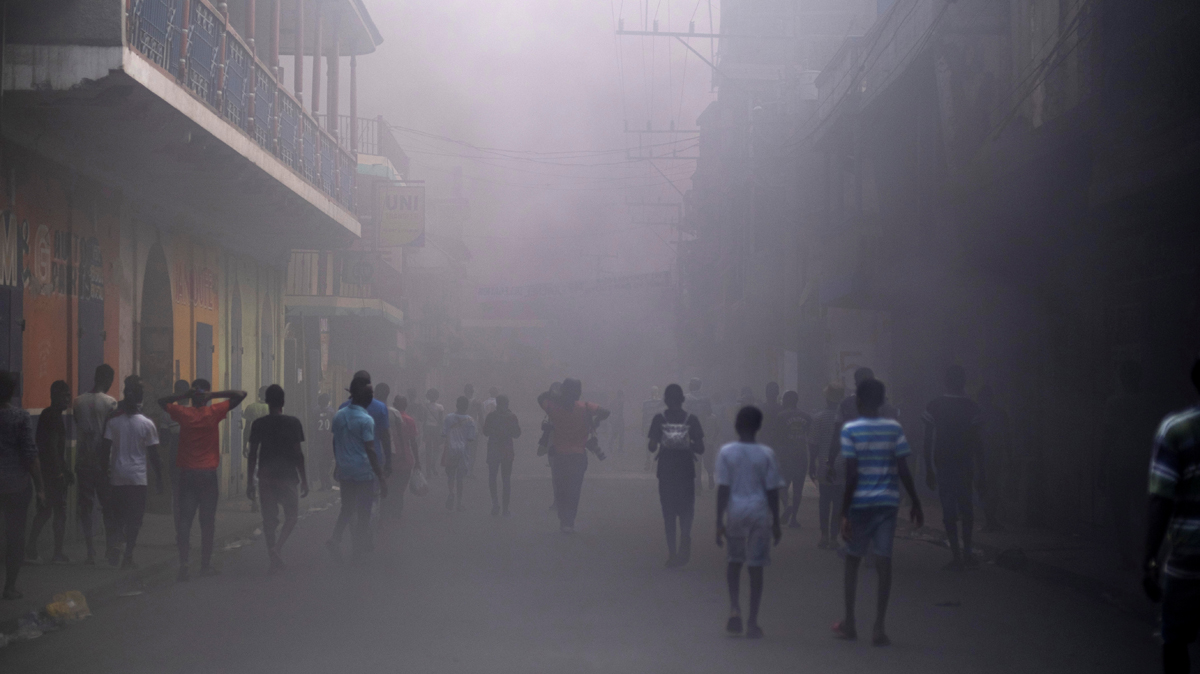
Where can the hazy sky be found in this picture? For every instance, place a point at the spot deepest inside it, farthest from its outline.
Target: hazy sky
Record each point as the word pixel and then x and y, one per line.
pixel 542 76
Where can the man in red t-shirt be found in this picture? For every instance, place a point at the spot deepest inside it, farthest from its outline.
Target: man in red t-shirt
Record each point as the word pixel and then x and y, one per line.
pixel 197 459
pixel 573 421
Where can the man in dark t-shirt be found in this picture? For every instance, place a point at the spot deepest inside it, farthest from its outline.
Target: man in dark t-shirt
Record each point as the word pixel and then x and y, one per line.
pixel 276 454
pixel 678 439
pixel 953 431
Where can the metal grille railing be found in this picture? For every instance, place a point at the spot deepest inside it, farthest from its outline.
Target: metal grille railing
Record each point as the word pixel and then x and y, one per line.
pixel 220 70
pixel 236 90
pixel 347 170
pixel 204 53
pixel 264 109
pixel 155 28
pixel 289 131
pixel 328 164
pixel 308 154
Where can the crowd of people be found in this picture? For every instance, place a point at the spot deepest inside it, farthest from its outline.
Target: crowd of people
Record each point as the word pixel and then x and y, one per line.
pixel 854 450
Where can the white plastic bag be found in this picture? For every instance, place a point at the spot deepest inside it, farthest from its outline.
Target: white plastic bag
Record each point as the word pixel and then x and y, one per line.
pixel 417 484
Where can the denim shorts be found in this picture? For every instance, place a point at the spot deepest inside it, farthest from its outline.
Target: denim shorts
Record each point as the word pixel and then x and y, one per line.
pixel 751 549
pixel 872 530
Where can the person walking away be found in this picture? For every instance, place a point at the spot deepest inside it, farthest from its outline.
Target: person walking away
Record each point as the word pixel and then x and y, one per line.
pixel 130 442
pixel 876 459
pixel 252 412
pixel 90 411
pixel 51 440
pixel 20 479
pixel 277 461
pixel 198 459
pixel 1173 517
pixel 830 483
pixel 358 470
pixel 953 428
pixel 489 405
pixel 379 414
pixel 748 484
pixel 792 435
pixel 998 456
pixel 459 431
pixel 676 438
pixel 475 411
pixel 501 428
pixel 408 450
pixel 616 431
pixel 650 408
pixel 848 411
pixel 431 430
pixel 322 442
pixel 573 420
pixel 700 406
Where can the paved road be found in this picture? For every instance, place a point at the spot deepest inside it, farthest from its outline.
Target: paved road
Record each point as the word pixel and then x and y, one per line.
pixel 465 592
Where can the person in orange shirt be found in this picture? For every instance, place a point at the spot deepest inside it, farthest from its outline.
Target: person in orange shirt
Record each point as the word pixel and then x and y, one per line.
pixel 574 421
pixel 198 457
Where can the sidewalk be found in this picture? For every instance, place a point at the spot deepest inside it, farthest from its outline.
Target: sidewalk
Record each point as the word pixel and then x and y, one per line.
pixel 155 553
pixel 1050 556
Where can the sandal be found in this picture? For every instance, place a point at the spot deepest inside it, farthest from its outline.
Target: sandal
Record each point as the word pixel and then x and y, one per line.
pixel 841 631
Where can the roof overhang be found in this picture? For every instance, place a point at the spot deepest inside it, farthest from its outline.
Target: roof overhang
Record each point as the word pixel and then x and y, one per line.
pixel 324 306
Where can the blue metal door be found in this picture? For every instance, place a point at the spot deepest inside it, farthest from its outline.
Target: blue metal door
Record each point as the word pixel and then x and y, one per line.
pixel 204 351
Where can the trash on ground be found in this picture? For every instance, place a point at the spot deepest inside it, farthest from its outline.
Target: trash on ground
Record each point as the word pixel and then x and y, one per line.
pixel 68 607
pixel 33 625
pixel 131 593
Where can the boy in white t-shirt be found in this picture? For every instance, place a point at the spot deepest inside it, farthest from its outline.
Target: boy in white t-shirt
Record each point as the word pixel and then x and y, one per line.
pixel 748 482
pixel 130 438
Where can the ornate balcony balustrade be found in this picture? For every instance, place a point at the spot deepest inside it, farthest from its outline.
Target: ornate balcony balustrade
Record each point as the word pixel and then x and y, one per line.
pixel 195 43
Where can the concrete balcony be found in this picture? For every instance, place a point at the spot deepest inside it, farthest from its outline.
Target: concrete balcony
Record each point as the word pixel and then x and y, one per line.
pixel 166 101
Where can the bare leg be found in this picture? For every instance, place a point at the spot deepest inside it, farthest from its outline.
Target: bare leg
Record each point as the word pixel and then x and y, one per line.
pixel 733 577
pixel 884 566
pixel 851 590
pixel 756 590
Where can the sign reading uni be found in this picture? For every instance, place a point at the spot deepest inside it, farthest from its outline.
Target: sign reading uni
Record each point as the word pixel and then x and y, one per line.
pixel 401 212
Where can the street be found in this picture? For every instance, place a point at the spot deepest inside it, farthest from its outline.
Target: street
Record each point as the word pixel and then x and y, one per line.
pixel 466 592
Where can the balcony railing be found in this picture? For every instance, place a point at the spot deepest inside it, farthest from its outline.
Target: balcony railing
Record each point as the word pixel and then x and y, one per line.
pixel 369 136
pixel 220 69
pixel 331 273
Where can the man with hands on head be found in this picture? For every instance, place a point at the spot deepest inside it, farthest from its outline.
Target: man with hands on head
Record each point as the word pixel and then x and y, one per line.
pixel 198 457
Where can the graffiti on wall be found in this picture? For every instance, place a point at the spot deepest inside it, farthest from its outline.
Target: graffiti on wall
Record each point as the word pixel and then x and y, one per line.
pixel 198 288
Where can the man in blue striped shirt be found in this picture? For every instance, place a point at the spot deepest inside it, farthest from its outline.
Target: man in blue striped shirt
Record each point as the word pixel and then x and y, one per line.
pixel 875 451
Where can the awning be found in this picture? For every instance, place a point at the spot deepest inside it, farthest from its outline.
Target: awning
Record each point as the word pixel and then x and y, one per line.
pixel 323 306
